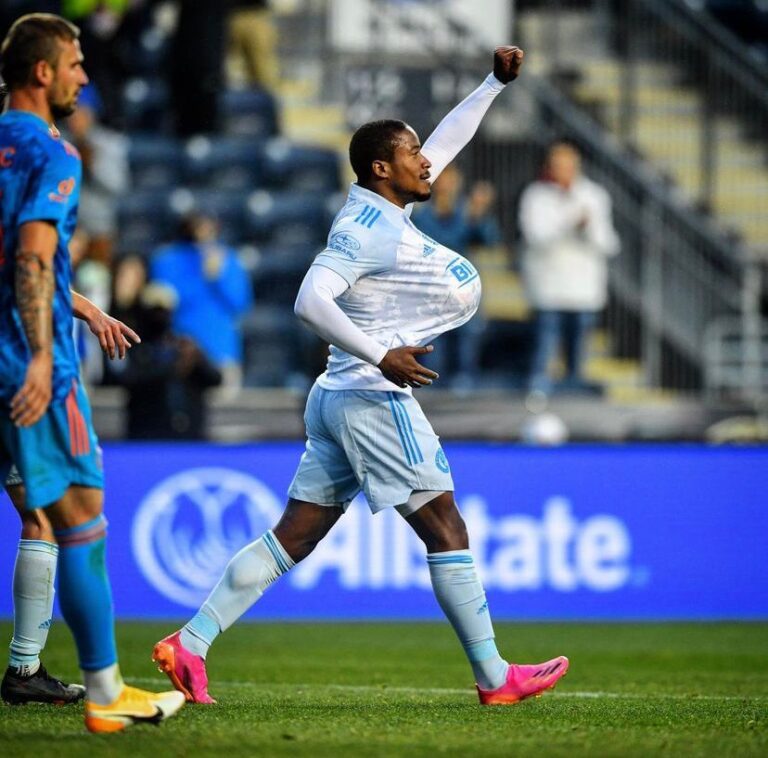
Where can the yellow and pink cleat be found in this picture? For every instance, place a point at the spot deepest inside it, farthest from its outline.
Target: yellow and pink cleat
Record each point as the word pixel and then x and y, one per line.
pixel 526 680
pixel 185 669
pixel 132 706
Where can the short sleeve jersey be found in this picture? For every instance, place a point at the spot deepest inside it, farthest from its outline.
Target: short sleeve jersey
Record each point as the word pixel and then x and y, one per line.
pixel 39 181
pixel 404 287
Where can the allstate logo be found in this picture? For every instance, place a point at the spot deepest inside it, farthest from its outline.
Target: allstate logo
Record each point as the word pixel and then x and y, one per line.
pixel 189 526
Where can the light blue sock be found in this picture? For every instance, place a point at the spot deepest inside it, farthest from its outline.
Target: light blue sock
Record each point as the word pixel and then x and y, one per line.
pixel 246 577
pixel 460 593
pixel 33 577
pixel 85 595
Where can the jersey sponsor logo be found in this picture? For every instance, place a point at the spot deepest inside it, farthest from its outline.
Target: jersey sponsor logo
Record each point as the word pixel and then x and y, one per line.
pixel 188 527
pixel 345 243
pixel 64 189
pixel 6 156
pixel 368 216
pixel 463 271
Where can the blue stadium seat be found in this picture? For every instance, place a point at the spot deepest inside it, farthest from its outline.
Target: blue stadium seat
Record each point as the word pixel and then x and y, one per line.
pixel 145 104
pixel 278 272
pixel 228 163
pixel 226 207
pixel 155 161
pixel 297 167
pixel 249 113
pixel 270 346
pixel 154 49
pixel 286 218
pixel 144 221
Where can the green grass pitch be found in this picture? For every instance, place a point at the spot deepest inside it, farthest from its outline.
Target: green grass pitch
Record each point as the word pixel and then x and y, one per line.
pixel 405 690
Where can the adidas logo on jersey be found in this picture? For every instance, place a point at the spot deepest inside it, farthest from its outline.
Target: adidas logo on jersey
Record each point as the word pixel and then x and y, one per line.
pixel 429 249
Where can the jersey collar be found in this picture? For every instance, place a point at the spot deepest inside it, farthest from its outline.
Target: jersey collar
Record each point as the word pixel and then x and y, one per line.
pixel 32 118
pixel 391 211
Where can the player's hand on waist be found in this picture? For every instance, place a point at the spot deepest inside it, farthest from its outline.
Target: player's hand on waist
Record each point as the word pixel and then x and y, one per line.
pixel 507 62
pixel 400 366
pixel 31 401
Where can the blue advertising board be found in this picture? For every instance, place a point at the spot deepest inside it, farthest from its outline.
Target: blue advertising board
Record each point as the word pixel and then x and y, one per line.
pixel 578 532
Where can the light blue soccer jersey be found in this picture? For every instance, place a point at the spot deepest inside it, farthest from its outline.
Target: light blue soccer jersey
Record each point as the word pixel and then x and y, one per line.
pixel 404 288
pixel 39 181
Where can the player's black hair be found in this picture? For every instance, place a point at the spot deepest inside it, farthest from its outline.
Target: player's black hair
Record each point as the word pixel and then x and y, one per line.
pixel 32 38
pixel 3 93
pixel 374 141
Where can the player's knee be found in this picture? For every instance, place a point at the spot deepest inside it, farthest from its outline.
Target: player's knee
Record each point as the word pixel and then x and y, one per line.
pixel 79 506
pixel 449 534
pixel 35 529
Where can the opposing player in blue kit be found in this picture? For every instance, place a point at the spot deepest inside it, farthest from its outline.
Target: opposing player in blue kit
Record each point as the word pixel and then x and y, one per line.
pixel 379 293
pixel 45 424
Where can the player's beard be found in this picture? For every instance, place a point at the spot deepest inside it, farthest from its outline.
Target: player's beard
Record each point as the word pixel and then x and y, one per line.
pixel 62 110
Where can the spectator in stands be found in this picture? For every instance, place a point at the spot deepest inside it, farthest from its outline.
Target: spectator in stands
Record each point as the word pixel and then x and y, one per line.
pixel 128 280
pixel 565 220
pixel 166 375
pixel 92 279
pixel 252 43
pixel 104 154
pixel 197 63
pixel 213 289
pixel 459 222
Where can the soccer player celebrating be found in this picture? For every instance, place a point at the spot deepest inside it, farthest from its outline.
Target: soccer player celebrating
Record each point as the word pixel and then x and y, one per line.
pixel 380 292
pixel 45 426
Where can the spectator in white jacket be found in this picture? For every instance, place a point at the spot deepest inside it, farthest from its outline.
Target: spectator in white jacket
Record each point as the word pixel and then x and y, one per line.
pixel 565 220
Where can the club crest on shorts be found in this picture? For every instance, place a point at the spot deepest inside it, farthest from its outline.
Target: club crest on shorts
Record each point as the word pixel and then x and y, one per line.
pixel 441 461
pixel 189 525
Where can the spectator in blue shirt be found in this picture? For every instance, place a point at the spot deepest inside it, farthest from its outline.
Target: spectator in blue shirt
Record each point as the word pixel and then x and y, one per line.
pixel 213 289
pixel 458 222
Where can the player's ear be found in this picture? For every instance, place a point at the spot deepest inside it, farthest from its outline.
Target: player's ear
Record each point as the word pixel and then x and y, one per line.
pixel 380 169
pixel 42 73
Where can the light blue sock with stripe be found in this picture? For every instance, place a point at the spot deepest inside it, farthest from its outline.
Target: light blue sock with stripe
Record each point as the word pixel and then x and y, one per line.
pixel 246 577
pixel 33 576
pixel 460 593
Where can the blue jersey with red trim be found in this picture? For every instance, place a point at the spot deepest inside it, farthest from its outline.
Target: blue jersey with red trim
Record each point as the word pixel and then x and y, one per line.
pixel 39 181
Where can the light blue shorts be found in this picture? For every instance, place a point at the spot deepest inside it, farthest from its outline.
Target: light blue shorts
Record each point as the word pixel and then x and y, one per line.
pixel 60 450
pixel 377 442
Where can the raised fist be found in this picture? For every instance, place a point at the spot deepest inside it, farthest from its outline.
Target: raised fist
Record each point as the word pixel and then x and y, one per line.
pixel 507 62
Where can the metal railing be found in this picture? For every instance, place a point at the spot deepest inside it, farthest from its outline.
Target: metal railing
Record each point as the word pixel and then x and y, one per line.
pixel 675 85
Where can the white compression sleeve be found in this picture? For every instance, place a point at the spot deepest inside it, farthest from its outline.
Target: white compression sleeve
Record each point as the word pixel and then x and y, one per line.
pixel 316 307
pixel 453 133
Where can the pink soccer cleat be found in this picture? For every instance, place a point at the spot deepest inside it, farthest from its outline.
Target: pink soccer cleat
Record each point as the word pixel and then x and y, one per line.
pixel 185 670
pixel 526 681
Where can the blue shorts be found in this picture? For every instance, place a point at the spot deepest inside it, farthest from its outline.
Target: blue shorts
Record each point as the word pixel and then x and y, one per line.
pixel 60 450
pixel 377 442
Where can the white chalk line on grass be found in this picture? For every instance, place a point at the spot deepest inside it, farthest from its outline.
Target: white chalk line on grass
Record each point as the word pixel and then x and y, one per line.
pixel 385 689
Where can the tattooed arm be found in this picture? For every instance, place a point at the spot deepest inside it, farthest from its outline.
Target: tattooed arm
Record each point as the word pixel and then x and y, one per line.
pixel 34 298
